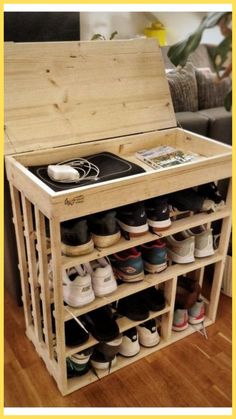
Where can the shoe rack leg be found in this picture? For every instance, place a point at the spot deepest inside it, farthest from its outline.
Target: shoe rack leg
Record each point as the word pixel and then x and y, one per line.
pixel 20 241
pixel 167 319
pixel 58 302
pixel 219 266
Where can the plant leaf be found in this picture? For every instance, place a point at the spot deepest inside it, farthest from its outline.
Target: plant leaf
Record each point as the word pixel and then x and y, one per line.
pixel 221 53
pixel 113 35
pixel 97 36
pixel 212 19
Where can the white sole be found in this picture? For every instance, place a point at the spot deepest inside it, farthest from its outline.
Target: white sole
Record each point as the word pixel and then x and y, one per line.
pixel 132 229
pixel 102 365
pixel 192 320
pixel 180 259
pixel 159 224
pixel 75 303
pixel 179 329
pixel 106 241
pixel 82 249
pixel 150 344
pixel 202 253
pixel 102 291
pixel 152 269
pixel 129 354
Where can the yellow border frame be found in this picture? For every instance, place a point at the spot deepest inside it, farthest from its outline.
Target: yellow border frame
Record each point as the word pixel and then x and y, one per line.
pixel 1 168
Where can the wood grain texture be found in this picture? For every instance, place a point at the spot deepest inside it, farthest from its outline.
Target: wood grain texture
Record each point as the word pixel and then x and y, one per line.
pixel 70 92
pixel 193 372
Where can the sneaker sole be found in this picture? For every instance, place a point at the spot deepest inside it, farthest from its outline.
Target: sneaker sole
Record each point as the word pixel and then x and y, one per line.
pixel 102 291
pixel 133 230
pixel 159 225
pixel 179 329
pixel 106 241
pixel 128 278
pixel 102 365
pixel 74 303
pixel 82 249
pixel 129 354
pixel 180 259
pixel 151 344
pixel 192 320
pixel 202 253
pixel 152 269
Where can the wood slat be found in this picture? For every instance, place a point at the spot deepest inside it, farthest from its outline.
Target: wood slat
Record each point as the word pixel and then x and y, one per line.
pixel 73 92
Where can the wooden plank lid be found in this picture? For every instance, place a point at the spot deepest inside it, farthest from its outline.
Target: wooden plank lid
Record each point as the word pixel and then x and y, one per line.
pixel 71 92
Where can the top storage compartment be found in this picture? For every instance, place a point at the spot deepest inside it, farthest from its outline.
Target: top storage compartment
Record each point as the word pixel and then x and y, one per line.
pixel 75 99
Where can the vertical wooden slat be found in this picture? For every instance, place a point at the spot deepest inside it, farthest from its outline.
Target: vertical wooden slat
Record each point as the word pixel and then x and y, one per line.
pixel 219 266
pixel 58 302
pixel 199 275
pixel 44 280
pixel 167 319
pixel 20 242
pixel 32 265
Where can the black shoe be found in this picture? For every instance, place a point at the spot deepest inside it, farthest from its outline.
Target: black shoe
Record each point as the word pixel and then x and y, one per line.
pixel 104 228
pixel 101 324
pixel 153 298
pixel 133 307
pixel 158 213
pixel 187 200
pixel 75 335
pixel 99 362
pixel 210 191
pixel 133 219
pixel 75 237
pixel 110 349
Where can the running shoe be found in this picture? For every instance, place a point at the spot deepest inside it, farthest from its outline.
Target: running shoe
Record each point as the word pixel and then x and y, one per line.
pixel 78 364
pixel 132 219
pixel 153 298
pixel 196 314
pixel 101 324
pixel 148 334
pixel 130 345
pixel 75 237
pixel 190 200
pixel 180 321
pixel 103 280
pixel 128 265
pixel 105 229
pixel 180 249
pixel 203 241
pixel 99 361
pixel 77 287
pixel 158 213
pixel 210 191
pixel 133 307
pixel 154 255
pixel 187 292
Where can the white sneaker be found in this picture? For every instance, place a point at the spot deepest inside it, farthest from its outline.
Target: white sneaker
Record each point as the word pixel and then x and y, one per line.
pixel 130 344
pixel 77 287
pixel 181 249
pixel 203 241
pixel 103 279
pixel 148 334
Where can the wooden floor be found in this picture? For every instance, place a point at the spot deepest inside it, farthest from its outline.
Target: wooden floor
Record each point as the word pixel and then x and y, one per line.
pixel 194 372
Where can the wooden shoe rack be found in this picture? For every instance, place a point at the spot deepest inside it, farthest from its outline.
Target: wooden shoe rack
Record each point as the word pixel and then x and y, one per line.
pixel 65 100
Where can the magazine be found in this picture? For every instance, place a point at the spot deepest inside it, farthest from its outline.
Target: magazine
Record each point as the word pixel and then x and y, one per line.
pixel 165 156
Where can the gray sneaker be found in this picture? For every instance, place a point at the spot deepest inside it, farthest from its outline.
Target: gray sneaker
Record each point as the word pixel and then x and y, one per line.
pixel 203 241
pixel 181 249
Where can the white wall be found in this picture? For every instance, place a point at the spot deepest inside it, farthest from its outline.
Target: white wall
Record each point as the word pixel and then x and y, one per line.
pixel 130 24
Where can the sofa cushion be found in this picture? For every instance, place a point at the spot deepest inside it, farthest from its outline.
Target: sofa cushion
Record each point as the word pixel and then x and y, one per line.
pixel 193 121
pixel 211 92
pixel 182 81
pixel 219 125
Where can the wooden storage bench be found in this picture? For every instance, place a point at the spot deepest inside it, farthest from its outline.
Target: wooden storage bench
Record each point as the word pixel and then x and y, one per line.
pixel 68 100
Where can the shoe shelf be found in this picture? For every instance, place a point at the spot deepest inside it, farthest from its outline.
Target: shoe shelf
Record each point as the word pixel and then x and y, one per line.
pixel 42 128
pixel 176 226
pixel 76 383
pixel 124 324
pixel 126 289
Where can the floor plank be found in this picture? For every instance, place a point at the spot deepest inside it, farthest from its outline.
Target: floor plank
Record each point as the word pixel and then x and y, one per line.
pixel 193 372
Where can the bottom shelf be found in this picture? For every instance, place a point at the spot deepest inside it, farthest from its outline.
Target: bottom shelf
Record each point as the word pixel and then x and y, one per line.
pixel 79 382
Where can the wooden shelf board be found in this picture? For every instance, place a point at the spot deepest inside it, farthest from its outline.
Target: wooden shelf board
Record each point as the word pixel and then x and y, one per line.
pixel 124 324
pixel 127 289
pixel 122 244
pixel 79 382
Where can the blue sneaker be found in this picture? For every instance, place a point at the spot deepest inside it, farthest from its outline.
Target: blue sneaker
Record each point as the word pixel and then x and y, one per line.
pixel 154 256
pixel 128 265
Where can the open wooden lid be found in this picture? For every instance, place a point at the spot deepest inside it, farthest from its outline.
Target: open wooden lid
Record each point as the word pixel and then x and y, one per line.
pixel 71 92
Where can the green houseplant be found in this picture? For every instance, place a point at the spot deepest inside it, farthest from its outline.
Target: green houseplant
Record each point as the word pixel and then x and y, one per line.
pixel 221 54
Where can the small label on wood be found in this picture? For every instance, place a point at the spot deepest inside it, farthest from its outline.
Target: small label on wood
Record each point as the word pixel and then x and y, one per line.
pixel 76 200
